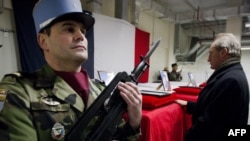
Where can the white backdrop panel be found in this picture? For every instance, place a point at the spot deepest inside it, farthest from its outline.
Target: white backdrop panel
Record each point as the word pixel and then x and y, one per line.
pixel 114 41
pixel 8 54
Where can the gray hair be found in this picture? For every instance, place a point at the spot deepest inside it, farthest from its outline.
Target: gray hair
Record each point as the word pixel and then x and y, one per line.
pixel 229 41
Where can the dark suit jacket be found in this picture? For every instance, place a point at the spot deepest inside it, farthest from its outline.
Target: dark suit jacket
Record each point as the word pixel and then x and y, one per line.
pixel 222 104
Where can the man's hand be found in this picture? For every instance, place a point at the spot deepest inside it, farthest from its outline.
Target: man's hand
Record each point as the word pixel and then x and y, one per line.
pixel 181 102
pixel 132 96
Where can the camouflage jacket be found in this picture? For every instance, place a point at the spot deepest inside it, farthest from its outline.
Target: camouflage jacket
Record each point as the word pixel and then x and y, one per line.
pixel 43 107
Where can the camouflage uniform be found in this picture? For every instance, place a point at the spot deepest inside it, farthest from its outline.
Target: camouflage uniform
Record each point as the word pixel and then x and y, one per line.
pixel 35 102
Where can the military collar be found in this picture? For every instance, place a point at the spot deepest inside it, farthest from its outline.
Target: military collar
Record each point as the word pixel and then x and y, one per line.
pixel 44 77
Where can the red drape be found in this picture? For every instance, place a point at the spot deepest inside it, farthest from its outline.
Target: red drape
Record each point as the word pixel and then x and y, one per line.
pixel 141 48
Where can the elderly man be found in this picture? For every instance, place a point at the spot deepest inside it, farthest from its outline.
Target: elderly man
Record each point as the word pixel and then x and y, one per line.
pixel 223 103
pixel 45 105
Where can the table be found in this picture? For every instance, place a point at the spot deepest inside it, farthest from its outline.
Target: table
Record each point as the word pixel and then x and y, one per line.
pixel 166 123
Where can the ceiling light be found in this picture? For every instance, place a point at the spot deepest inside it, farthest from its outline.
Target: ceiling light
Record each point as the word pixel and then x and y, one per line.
pixel 247 24
pixel 245 47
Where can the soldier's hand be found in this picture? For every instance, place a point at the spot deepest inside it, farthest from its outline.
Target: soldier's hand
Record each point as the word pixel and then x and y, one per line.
pixel 132 96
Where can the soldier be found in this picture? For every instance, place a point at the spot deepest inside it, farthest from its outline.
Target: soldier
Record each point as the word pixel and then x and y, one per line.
pixel 45 104
pixel 174 75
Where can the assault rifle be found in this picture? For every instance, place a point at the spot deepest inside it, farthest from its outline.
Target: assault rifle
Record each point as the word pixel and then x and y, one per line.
pixel 107 110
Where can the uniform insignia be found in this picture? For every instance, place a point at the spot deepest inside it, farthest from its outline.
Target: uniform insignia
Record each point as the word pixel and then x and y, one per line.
pixel 50 101
pixel 3 94
pixel 18 74
pixel 58 131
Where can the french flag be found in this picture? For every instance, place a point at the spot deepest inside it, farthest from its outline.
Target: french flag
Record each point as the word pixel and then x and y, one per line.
pixel 117 46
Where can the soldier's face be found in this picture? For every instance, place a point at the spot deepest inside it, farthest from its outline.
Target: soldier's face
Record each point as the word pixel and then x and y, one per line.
pixel 66 43
pixel 175 68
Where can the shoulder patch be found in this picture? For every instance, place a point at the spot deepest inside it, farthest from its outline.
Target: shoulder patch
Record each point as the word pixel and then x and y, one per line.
pixel 3 95
pixel 11 78
pixel 15 74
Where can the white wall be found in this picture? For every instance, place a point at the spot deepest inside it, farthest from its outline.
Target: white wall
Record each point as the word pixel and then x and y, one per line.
pixel 8 54
pixel 158 29
pixel 9 60
pixel 245 63
pixel 108 8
